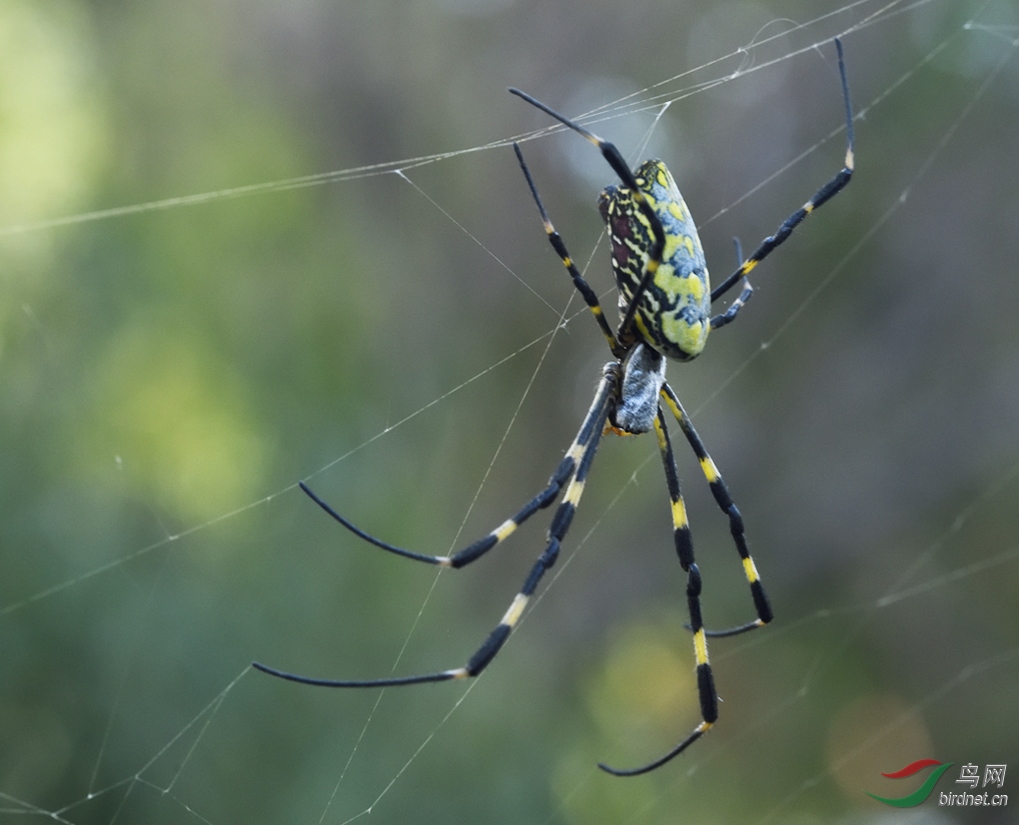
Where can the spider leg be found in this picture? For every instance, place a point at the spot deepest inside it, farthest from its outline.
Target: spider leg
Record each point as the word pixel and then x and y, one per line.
pixel 745 295
pixel 619 166
pixel 474 551
pixel 732 311
pixel 825 193
pixel 583 287
pixel 582 450
pixel 726 504
pixel 684 549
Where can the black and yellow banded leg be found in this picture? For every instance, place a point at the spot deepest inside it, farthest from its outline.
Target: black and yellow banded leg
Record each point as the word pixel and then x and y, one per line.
pixel 583 287
pixel 726 504
pixel 581 454
pixel 620 167
pixel 824 194
pixel 472 552
pixel 684 549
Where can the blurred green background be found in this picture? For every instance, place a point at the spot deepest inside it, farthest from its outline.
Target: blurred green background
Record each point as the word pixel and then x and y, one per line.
pixel 167 375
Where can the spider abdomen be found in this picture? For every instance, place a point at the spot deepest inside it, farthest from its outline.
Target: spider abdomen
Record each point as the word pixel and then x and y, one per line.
pixel 674 312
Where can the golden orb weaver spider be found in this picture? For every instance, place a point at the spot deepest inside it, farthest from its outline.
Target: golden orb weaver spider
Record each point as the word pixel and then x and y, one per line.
pixel 665 300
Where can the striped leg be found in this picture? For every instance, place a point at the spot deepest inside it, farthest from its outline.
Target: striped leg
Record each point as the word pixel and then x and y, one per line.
pixel 583 287
pixel 580 455
pixel 725 502
pixel 825 193
pixel 567 467
pixel 684 548
pixel 476 550
pixel 615 160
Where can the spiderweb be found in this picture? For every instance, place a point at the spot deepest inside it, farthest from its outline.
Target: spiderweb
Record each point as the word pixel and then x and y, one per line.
pixel 398 333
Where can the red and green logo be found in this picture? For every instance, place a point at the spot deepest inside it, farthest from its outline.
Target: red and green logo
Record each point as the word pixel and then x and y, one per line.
pixel 921 793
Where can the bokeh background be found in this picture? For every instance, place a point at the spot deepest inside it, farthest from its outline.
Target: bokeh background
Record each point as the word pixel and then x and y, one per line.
pixel 168 374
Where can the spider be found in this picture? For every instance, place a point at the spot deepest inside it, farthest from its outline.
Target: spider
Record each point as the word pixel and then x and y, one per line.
pixel 665 301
